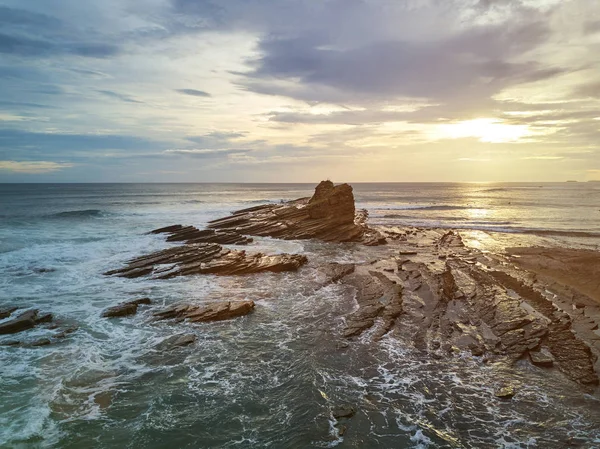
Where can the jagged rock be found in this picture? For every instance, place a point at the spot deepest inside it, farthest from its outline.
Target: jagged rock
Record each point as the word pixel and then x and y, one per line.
pixel 167 229
pixel 215 311
pixel 505 392
pixel 343 411
pixel 45 318
pixel 541 358
pixel 335 271
pixel 5 312
pixel 190 234
pixel 451 239
pixel 328 215
pixel 40 342
pixel 23 322
pixel 65 332
pixel 176 341
pixel 207 258
pixel 378 298
pixel 125 308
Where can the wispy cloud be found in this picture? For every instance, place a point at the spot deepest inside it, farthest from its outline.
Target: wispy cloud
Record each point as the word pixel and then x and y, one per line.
pixel 33 167
pixel 193 92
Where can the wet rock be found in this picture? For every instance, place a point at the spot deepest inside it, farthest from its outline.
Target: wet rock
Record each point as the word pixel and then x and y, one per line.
pixel 5 312
pixel 45 318
pixel 191 234
pixel 207 258
pixel 40 342
pixel 343 411
pixel 214 311
pixel 505 392
pixel 125 308
pixel 541 358
pixel 167 229
pixel 23 322
pixel 336 271
pixel 176 341
pixel 44 270
pixel 65 332
pixel 378 298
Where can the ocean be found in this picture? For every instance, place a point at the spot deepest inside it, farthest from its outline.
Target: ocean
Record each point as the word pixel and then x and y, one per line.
pixel 270 379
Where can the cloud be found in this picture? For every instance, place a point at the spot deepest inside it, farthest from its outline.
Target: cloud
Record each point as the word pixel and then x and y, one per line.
pixel 17 104
pixel 590 90
pixel 118 96
pixel 26 47
pixel 32 167
pixel 193 92
pixel 207 153
pixel 475 62
pixel 36 143
pixel 11 17
pixel 592 27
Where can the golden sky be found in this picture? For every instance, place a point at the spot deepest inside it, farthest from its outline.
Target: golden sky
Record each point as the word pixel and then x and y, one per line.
pixel 299 91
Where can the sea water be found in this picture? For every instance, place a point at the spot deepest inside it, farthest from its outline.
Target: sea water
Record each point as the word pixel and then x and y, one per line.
pixel 272 378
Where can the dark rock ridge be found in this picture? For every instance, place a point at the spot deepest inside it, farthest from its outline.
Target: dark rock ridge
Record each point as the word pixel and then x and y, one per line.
pixel 191 234
pixel 329 215
pixel 30 319
pixel 214 311
pixel 206 258
pixel 26 320
pixel 176 341
pixel 125 308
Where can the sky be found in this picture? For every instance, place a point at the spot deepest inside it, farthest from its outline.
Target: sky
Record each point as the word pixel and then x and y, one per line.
pixel 299 90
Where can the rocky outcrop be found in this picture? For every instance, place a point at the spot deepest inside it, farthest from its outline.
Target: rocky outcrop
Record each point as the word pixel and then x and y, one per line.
pixel 5 312
pixel 379 299
pixel 328 215
pixel 191 234
pixel 176 341
pixel 214 311
pixel 26 320
pixel 206 258
pixel 459 303
pixel 125 308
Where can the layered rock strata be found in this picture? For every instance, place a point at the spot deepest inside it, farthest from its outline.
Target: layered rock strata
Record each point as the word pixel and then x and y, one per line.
pixel 206 258
pixel 446 298
pixel 213 311
pixel 329 215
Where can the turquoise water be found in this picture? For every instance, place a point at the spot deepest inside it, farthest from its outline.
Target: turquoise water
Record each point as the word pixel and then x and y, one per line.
pixel 269 379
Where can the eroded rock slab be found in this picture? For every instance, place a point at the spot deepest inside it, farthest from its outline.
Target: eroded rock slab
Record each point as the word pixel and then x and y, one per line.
pixel 207 258
pixel 125 308
pixel 214 311
pixel 191 234
pixel 24 321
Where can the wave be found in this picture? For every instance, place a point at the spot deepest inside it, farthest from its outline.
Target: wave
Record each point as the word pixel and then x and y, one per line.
pixel 506 227
pixel 497 189
pixel 408 217
pixel 560 233
pixel 265 201
pixel 439 207
pixel 78 213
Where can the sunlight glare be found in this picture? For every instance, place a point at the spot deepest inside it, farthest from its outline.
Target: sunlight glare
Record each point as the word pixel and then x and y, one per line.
pixel 485 129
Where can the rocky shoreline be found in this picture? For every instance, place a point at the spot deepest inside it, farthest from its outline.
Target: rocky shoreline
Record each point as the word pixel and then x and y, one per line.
pixel 425 287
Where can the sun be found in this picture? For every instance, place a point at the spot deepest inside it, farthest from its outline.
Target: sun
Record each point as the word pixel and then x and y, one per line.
pixel 485 129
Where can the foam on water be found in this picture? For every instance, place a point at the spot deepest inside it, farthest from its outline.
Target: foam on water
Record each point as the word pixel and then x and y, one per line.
pixel 270 379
